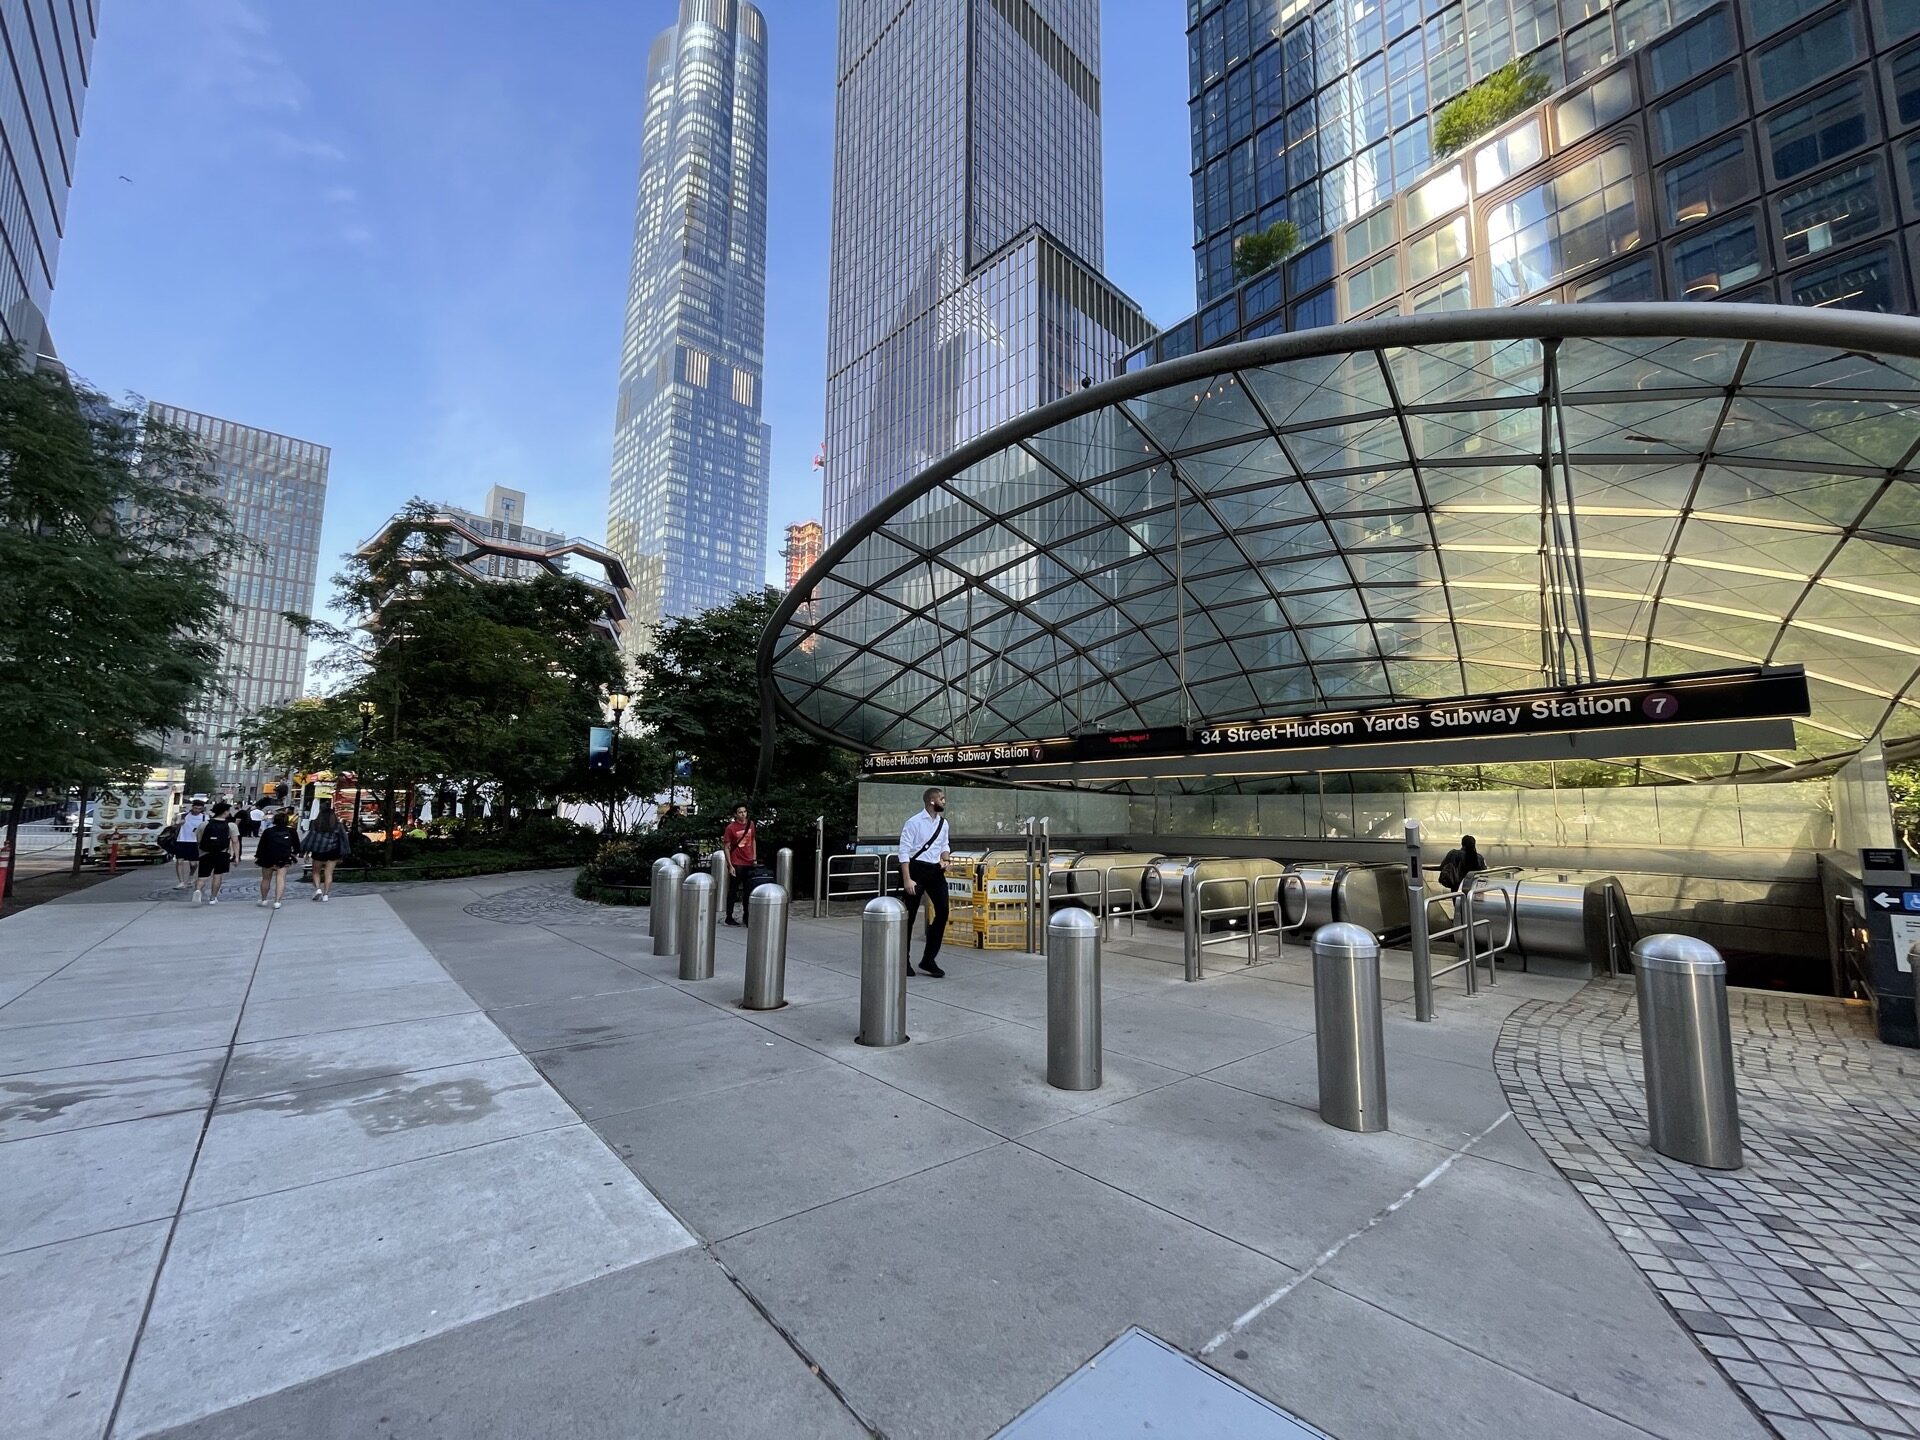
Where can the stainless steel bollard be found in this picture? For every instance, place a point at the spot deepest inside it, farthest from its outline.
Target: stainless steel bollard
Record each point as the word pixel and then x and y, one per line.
pixel 820 867
pixel 1190 931
pixel 1346 1016
pixel 783 870
pixel 722 876
pixel 1073 1001
pixel 653 891
pixel 696 927
pixel 883 972
pixel 766 949
pixel 664 909
pixel 683 860
pixel 1686 1045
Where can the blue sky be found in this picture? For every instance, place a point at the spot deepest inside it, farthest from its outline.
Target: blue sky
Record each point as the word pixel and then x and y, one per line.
pixel 401 228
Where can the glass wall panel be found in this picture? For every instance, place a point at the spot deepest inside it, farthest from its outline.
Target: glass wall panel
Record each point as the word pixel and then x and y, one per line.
pixel 1808 55
pixel 1372 285
pixel 1806 136
pixel 1694 51
pixel 1836 209
pixel 1704 110
pixel 1624 283
pixel 1369 236
pixel 1903 86
pixel 1444 248
pixel 1583 215
pixel 1498 161
pixel 1709 181
pixel 1590 47
pixel 1600 104
pixel 1863 281
pixel 1453 293
pixel 1446 191
pixel 1716 260
pixel 1766 16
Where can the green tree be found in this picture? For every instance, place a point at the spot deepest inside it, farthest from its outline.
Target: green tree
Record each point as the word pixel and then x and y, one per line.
pixel 1488 104
pixel 1264 249
pixel 297 736
pixel 1903 788
pixel 198 778
pixel 698 694
pixel 477 686
pixel 112 544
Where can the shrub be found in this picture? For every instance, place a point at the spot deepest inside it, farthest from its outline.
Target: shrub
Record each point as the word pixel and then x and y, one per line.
pixel 1487 104
pixel 1264 249
pixel 621 862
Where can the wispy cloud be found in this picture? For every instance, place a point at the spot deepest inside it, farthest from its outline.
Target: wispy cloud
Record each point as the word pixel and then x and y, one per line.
pixel 239 60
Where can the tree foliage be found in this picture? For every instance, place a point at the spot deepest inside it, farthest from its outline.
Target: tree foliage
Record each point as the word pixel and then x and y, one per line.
pixel 1264 249
pixel 112 545
pixel 475 686
pixel 1488 104
pixel 698 695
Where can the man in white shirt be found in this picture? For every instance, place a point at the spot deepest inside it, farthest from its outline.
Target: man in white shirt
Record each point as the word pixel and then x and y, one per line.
pixel 925 847
pixel 186 843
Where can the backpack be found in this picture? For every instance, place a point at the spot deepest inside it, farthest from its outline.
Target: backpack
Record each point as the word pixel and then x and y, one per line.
pixel 327 844
pixel 216 835
pixel 1451 870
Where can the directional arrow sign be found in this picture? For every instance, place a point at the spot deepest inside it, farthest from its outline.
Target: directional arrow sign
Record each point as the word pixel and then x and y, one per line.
pixel 1886 899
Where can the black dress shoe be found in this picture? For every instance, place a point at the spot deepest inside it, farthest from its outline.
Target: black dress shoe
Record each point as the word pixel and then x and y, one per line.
pixel 733 922
pixel 927 967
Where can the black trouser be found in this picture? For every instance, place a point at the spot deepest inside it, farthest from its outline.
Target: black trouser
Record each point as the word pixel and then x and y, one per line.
pixel 737 887
pixel 931 881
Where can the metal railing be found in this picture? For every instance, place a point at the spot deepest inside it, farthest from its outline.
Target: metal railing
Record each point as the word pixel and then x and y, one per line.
pixel 1195 914
pixel 861 877
pixel 1109 912
pixel 1851 977
pixel 1468 929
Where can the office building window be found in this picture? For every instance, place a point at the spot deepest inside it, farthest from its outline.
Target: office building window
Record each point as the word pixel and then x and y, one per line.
pixel 1712 262
pixel 1709 181
pixel 1864 280
pixel 1369 236
pixel 1313 311
pixel 1895 19
pixel 1834 210
pixel 1764 17
pixel 1806 136
pixel 1635 280
pixel 1599 105
pixel 1262 295
pixel 1577 218
pixel 1498 161
pixel 1808 55
pixel 1441 250
pixel 1694 51
pixel 1372 285
pixel 1701 112
pixel 1446 191
pixel 1310 268
pixel 1590 47
pixel 1903 86
pixel 1453 293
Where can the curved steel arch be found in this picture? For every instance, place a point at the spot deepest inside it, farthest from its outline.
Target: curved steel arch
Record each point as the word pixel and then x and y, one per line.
pixel 1822 337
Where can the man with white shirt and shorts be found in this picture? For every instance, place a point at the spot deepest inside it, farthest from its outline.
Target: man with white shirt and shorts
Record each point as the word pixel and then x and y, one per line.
pixel 925 848
pixel 186 843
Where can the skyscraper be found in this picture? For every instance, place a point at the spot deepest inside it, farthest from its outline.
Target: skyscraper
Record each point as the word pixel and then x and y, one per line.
pixel 805 541
pixel 275 488
pixel 687 510
pixel 1747 150
pixel 966 284
pixel 43 89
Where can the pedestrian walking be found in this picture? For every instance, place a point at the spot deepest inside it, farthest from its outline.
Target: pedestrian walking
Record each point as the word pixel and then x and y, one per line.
pixel 925 848
pixel 741 842
pixel 253 819
pixel 326 843
pixel 219 848
pixel 278 845
pixel 1457 869
pixel 186 845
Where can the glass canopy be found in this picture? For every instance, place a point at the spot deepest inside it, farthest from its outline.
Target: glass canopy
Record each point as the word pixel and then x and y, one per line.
pixel 1413 508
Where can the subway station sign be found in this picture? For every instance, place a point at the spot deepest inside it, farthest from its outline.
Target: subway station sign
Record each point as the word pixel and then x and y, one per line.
pixel 1751 694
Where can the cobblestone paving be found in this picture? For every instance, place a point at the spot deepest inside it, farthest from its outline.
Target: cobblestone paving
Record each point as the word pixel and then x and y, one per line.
pixel 1800 1272
pixel 554 903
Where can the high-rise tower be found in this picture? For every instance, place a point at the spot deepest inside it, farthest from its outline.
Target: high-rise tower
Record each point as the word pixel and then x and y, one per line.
pixel 687 510
pixel 42 92
pixel 966 284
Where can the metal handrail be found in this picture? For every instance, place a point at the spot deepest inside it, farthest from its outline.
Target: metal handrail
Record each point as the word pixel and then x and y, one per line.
pixel 1197 940
pixel 1469 927
pixel 855 866
pixel 1853 975
pixel 1133 910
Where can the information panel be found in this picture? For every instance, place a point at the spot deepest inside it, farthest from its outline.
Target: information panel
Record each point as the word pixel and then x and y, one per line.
pixel 1690 699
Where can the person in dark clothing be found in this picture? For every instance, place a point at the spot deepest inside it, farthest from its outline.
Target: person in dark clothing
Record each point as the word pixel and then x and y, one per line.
pixel 925 848
pixel 219 846
pixel 1457 868
pixel 279 844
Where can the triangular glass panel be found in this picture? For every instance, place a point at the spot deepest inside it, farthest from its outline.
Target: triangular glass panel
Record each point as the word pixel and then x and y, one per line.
pixel 1006 481
pixel 1093 444
pixel 1321 388
pixel 1827 430
pixel 1656 428
pixel 1342 681
pixel 1204 411
pixel 1488 436
pixel 1277 503
pixel 1224 699
pixel 1358 445
pixel 1611 365
pixel 1315 607
pixel 1228 467
pixel 1801 496
pixel 1370 490
pixel 1820 367
pixel 1137 492
pixel 1461 370
pixel 1891 570
pixel 1480 484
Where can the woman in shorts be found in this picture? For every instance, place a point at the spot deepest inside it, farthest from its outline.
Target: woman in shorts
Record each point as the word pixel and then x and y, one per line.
pixel 274 854
pixel 327 843
pixel 219 844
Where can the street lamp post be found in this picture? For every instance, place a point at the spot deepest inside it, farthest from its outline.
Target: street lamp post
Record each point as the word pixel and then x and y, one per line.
pixel 360 762
pixel 617 703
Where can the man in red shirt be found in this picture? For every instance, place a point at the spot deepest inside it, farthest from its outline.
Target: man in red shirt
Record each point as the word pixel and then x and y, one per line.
pixel 738 841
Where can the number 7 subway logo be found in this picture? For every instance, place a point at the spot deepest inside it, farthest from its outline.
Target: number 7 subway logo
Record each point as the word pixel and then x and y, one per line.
pixel 1660 705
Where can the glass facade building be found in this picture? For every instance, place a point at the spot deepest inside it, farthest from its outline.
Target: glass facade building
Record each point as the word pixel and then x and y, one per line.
pixel 43 90
pixel 967 243
pixel 687 510
pixel 275 488
pixel 1760 150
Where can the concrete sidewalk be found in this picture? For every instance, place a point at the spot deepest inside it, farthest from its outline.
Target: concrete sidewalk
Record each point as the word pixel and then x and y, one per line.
pixel 388 1201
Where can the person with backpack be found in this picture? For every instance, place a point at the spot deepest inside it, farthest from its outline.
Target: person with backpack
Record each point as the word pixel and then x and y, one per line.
pixel 219 848
pixel 1457 868
pixel 279 844
pixel 326 843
